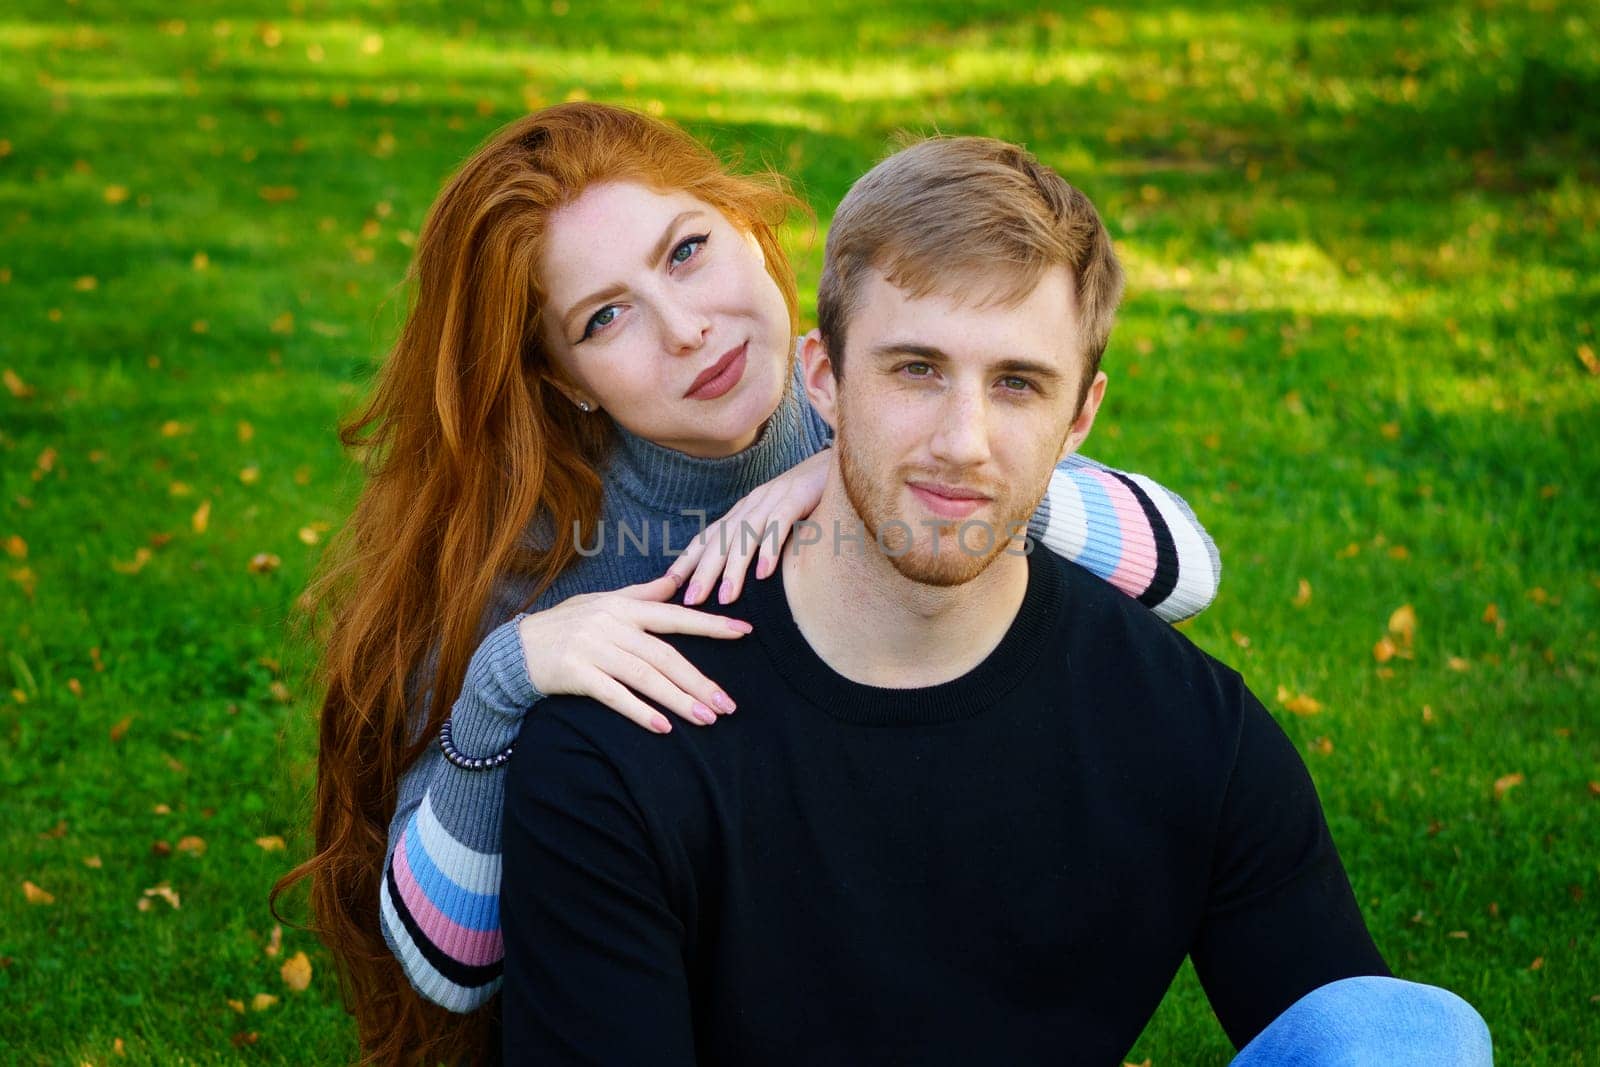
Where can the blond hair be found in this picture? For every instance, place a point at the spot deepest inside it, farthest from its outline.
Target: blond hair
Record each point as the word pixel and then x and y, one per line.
pixel 968 215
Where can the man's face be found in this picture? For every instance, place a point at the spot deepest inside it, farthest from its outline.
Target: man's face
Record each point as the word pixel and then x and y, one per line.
pixel 950 417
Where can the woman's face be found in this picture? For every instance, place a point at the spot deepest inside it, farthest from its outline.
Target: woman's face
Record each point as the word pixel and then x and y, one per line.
pixel 661 312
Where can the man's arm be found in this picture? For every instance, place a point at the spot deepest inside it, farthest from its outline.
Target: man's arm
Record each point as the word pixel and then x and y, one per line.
pixel 1281 919
pixel 594 964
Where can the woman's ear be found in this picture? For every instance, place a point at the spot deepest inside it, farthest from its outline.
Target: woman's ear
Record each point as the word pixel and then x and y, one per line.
pixel 816 372
pixel 578 398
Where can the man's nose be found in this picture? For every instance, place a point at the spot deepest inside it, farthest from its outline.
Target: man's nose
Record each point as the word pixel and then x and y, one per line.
pixel 962 436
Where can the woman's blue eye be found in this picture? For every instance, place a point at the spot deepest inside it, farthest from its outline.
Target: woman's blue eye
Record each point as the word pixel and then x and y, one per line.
pixel 599 321
pixel 686 249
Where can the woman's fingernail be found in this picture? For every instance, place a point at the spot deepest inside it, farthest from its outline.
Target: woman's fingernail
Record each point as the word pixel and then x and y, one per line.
pixel 660 725
pixel 693 595
pixel 702 714
pixel 722 701
pixel 739 626
pixel 725 594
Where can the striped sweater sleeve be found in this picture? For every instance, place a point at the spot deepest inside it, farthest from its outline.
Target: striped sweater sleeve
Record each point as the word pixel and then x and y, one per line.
pixel 1131 531
pixel 440 896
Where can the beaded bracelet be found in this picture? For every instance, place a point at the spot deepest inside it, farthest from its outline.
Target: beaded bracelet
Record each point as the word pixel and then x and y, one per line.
pixel 483 763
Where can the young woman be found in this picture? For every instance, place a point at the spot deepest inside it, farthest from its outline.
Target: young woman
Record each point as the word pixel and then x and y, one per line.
pixel 598 360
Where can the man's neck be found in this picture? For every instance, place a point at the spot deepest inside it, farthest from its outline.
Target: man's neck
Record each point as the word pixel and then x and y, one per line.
pixel 877 627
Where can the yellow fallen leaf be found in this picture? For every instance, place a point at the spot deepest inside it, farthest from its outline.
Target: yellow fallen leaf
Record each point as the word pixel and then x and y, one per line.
pixel 75 687
pixel 262 1001
pixel 16 386
pixel 141 556
pixel 165 892
pixel 1590 361
pixel 1403 624
pixel 274 941
pixel 246 433
pixel 16 547
pixel 202 517
pixel 118 1048
pixel 92 862
pixel 119 729
pixel 309 536
pixel 280 692
pixel 1390 430
pixel 192 844
pixel 273 843
pixel 173 428
pixel 35 895
pixel 1456 663
pixel 264 563
pixel 87 283
pixel 1322 746
pixel 1505 783
pixel 1302 595
pixel 296 972
pixel 201 261
pixel 1384 650
pixel 250 475
pixel 284 323
pixel 237 1005
pixel 116 194
pixel 278 194
pixel 1459 935
pixel 1299 703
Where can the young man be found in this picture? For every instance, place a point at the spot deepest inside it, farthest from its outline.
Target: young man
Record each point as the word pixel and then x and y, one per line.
pixel 975 807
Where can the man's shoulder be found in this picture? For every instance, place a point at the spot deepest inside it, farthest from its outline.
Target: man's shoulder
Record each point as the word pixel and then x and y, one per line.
pixel 1153 674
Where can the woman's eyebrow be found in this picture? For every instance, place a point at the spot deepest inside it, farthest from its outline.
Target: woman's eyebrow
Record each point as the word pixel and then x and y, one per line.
pixel 616 288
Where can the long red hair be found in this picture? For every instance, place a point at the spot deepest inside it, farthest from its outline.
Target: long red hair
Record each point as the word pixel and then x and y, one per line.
pixel 464 440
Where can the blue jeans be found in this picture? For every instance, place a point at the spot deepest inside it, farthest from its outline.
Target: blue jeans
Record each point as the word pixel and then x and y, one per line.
pixel 1357 1021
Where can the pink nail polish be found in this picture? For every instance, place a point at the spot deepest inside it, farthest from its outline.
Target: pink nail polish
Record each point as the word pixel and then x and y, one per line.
pixel 693 595
pixel 739 626
pixel 723 701
pixel 661 725
pixel 703 714
pixel 725 594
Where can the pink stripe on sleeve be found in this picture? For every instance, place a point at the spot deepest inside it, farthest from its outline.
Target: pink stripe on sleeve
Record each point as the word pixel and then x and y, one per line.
pixel 472 947
pixel 1137 565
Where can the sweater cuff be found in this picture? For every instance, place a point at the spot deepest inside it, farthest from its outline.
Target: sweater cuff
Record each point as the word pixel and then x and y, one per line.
pixel 495 696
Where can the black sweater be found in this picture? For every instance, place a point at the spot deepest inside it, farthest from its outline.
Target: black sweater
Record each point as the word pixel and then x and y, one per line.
pixel 1007 868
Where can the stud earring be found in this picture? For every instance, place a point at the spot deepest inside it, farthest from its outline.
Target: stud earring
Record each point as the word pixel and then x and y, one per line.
pixel 585 407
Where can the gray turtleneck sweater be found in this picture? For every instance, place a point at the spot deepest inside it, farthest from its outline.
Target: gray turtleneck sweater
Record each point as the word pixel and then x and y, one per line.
pixel 440 897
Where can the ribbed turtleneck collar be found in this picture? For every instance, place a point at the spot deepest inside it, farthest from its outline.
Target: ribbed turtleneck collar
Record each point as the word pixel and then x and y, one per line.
pixel 662 479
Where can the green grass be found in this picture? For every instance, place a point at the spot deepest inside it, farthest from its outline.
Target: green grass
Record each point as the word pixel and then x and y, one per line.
pixel 1362 244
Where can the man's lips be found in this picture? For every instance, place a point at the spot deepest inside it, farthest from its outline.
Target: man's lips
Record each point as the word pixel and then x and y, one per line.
pixel 948 501
pixel 720 376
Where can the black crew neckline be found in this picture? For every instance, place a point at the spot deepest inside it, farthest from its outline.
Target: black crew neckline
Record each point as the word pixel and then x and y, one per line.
pixel 1010 662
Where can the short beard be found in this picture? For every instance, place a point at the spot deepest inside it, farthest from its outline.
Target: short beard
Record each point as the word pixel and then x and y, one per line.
pixel 944 567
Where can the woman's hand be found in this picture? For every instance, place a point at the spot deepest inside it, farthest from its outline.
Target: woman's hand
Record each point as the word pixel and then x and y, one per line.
pixel 762 519
pixel 602 646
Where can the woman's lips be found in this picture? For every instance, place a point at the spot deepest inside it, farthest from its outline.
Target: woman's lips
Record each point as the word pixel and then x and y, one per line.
pixel 721 376
pixel 947 502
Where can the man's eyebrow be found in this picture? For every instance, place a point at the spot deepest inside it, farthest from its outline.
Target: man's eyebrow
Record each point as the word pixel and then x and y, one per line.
pixel 656 254
pixel 934 354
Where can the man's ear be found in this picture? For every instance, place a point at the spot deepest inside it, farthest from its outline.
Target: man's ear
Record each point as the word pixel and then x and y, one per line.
pixel 816 372
pixel 1085 420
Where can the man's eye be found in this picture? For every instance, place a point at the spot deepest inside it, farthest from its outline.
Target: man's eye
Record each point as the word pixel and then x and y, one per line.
pixel 599 321
pixel 917 370
pixel 686 249
pixel 1016 385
